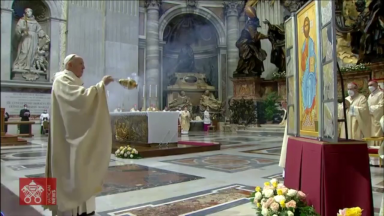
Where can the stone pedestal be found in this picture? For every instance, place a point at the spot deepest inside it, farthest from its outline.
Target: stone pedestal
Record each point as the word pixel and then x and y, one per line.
pixel 377 70
pixel 282 88
pixel 247 88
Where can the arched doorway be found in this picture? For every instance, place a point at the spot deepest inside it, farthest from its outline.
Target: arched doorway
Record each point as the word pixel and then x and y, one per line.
pixel 202 32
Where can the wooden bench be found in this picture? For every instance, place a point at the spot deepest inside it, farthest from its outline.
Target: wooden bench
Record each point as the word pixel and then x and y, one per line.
pixel 30 123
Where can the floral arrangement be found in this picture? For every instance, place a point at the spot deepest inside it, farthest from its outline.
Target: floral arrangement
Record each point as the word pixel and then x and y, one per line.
pixel 355 68
pixel 127 152
pixel 356 211
pixel 276 199
pixel 278 75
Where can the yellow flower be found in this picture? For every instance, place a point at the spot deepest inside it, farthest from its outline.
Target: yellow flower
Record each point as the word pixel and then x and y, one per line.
pixel 353 211
pixel 257 189
pixel 266 184
pixel 258 205
pixel 279 192
pixel 274 184
pixel 282 204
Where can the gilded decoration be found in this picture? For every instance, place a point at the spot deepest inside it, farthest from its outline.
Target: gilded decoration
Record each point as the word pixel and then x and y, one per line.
pixel 130 129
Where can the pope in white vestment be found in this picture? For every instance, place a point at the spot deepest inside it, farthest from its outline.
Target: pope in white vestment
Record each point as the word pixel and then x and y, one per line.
pixel 80 142
pixel 358 118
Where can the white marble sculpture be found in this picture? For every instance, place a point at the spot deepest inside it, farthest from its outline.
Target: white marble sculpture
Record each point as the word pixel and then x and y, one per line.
pixel 33 45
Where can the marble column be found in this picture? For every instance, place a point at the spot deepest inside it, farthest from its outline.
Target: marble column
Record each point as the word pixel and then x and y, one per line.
pixel 6 43
pixel 232 9
pixel 152 69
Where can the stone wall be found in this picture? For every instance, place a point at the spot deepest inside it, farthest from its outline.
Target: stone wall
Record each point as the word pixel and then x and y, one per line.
pixel 105 34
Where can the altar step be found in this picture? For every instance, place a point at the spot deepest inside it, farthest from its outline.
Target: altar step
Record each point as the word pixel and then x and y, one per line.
pixel 8 139
pixel 183 147
pixel 264 130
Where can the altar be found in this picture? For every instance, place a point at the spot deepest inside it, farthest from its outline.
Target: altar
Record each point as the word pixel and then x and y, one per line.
pixel 144 128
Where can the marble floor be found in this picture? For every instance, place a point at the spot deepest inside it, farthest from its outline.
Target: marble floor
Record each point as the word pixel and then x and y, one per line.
pixel 210 183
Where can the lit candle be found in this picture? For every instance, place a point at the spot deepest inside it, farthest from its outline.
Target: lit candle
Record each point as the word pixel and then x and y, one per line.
pixel 156 91
pixel 143 91
pixel 150 91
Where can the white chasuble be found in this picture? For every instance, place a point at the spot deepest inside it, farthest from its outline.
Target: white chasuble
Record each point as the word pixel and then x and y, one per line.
pixel 358 118
pixel 80 142
pixel 185 120
pixel 376 110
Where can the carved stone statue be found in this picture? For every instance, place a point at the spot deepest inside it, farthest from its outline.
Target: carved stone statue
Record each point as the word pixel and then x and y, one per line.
pixel 33 45
pixel 208 100
pixel 368 32
pixel 182 101
pixel 186 59
pixel 249 45
pixel 276 35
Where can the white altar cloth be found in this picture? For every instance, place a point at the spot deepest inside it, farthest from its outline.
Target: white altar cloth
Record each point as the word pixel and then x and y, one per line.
pixel 162 126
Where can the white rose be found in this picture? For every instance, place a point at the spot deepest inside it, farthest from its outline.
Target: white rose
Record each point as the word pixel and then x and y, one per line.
pixel 274 181
pixel 125 155
pixel 117 152
pixel 268 193
pixel 290 213
pixel 291 192
pixel 131 156
pixel 264 212
pixel 258 196
pixel 279 198
pixel 274 215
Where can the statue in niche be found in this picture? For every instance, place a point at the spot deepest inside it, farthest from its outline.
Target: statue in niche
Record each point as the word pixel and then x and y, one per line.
pixel 186 59
pixel 33 47
pixel 276 35
pixel 207 100
pixel 367 36
pixel 249 44
pixel 182 101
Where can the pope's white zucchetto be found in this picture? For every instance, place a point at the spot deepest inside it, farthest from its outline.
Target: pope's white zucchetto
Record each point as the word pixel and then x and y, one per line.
pixel 68 58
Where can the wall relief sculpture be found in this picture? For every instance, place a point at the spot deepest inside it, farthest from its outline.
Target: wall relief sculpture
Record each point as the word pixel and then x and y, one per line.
pixel 31 46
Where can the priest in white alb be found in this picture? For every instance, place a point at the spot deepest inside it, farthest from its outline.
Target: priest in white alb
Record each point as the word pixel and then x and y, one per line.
pixel 80 142
pixel 358 117
pixel 376 108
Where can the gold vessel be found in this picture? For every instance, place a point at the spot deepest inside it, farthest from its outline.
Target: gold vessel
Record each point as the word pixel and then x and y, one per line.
pixel 128 83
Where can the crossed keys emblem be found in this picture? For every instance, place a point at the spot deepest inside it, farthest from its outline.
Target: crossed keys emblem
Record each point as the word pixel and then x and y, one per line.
pixel 32 190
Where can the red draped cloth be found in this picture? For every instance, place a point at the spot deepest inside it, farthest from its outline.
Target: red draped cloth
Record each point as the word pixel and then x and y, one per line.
pixel 334 176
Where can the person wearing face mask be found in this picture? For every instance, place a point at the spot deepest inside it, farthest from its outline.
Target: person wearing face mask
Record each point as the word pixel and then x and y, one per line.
pixel 376 107
pixel 80 139
pixel 24 115
pixel 44 117
pixel 358 121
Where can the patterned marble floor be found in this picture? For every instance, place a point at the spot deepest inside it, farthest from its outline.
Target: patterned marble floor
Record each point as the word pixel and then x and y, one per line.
pixel 213 183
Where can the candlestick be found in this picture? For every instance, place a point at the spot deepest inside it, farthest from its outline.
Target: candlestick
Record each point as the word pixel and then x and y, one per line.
pixel 156 91
pixel 143 91
pixel 150 91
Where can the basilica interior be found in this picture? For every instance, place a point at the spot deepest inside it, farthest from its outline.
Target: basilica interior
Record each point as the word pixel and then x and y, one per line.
pixel 214 97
